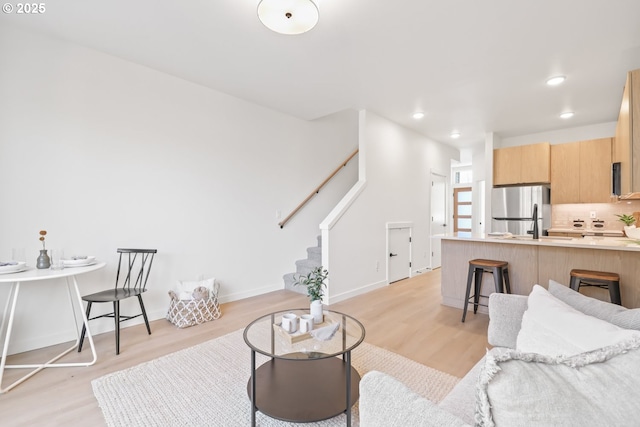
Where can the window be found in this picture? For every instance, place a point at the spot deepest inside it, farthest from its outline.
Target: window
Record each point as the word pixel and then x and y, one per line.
pixel 463 176
pixel 462 209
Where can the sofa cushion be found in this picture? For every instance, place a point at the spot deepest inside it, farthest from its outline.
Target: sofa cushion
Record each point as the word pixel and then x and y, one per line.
pixel 612 313
pixel 505 315
pixel 597 388
pixel 461 400
pixel 551 327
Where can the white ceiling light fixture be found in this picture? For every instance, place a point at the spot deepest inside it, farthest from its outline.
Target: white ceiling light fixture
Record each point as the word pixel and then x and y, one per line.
pixel 418 115
pixel 556 80
pixel 288 16
pixel 455 135
pixel 567 115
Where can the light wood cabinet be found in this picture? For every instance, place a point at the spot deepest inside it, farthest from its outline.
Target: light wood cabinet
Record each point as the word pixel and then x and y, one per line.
pixel 565 173
pixel 524 164
pixel 581 172
pixel 626 146
pixel 506 165
pixel 595 171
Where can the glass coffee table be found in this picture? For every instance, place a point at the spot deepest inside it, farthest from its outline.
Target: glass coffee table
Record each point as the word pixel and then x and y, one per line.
pixel 306 379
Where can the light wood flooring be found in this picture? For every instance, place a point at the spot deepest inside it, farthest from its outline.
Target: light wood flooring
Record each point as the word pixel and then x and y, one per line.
pixel 405 317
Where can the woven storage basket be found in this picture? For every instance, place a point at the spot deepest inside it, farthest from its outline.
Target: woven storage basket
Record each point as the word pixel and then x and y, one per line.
pixel 184 313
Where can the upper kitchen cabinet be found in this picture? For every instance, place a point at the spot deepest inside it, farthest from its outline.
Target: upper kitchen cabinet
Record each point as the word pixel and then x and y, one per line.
pixel 626 147
pixel 581 172
pixel 595 171
pixel 565 173
pixel 523 164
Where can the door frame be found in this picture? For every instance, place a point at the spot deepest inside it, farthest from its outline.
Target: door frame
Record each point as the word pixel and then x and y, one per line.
pixel 443 177
pixel 399 225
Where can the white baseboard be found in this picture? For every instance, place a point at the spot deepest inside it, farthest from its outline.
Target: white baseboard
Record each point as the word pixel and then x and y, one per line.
pixel 355 292
pixel 247 294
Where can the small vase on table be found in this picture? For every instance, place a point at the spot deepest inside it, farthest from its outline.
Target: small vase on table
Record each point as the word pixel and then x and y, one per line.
pixel 43 260
pixel 315 310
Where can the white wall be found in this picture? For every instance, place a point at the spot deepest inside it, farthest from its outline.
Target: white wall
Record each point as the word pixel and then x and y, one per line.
pixel 394 186
pixel 104 153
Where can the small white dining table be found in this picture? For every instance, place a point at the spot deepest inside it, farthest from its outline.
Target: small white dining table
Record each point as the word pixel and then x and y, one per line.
pixel 33 276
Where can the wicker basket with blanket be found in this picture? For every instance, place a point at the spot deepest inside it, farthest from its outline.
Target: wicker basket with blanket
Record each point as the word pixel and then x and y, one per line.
pixel 189 308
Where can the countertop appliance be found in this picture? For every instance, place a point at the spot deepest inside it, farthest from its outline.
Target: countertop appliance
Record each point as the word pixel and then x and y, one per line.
pixel 512 209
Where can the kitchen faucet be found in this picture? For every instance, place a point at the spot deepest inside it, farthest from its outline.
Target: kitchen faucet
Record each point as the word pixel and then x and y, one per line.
pixel 536 232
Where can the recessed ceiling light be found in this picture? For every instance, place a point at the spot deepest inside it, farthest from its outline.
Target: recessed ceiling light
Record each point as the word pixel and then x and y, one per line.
pixel 418 115
pixel 566 115
pixel 455 135
pixel 556 80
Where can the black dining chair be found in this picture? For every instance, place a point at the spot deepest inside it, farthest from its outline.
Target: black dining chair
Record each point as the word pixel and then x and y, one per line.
pixel 134 266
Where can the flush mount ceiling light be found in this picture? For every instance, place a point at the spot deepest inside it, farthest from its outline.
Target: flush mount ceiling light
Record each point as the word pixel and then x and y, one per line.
pixel 556 80
pixel 566 115
pixel 418 115
pixel 455 135
pixel 288 16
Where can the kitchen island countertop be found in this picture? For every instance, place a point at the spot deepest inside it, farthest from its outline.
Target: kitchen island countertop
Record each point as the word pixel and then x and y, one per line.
pixel 538 261
pixel 587 242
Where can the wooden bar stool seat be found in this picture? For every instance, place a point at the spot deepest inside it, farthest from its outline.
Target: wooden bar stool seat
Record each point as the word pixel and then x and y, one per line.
pixel 477 267
pixel 600 279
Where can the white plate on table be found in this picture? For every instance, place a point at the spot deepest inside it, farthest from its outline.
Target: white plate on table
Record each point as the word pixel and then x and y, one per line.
pixel 15 268
pixel 81 262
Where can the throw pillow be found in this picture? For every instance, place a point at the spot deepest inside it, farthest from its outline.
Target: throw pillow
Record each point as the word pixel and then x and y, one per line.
pixel 612 313
pixel 598 388
pixel 551 327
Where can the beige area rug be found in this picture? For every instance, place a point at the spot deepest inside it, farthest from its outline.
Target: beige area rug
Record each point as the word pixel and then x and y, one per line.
pixel 206 385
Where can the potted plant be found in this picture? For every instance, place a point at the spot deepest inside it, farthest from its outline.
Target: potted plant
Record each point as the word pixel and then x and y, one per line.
pixel 315 284
pixel 628 221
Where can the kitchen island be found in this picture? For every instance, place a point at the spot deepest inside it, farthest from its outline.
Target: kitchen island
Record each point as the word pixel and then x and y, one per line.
pixel 536 261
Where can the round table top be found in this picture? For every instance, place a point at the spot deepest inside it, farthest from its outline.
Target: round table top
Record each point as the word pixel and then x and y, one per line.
pixel 33 274
pixel 265 336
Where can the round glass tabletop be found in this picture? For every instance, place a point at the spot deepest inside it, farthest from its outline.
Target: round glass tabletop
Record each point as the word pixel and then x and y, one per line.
pixel 336 335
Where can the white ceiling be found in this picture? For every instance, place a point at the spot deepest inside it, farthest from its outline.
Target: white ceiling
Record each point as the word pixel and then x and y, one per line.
pixel 474 66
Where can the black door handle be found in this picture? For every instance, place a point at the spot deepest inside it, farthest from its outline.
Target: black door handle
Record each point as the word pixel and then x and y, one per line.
pixel 390 255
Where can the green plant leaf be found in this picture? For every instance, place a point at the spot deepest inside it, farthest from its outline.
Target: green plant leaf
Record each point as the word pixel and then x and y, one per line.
pixel 315 283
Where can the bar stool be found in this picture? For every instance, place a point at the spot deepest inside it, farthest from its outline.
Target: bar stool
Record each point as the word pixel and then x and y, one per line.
pixel 600 279
pixel 477 267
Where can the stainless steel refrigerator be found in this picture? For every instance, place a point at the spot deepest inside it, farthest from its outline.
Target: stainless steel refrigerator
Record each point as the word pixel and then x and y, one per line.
pixel 512 209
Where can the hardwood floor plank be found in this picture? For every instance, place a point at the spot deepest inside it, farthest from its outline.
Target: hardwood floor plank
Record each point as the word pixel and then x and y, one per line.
pixel 405 317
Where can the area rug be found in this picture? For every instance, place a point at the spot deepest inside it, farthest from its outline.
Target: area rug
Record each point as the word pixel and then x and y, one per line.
pixel 206 385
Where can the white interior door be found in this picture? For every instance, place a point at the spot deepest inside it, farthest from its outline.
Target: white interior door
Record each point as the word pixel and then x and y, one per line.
pixel 438 216
pixel 399 257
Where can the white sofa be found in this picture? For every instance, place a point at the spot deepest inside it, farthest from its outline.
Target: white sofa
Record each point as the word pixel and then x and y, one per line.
pixel 592 380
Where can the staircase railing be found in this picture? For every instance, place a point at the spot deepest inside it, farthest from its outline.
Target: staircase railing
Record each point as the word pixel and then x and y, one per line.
pixel 317 189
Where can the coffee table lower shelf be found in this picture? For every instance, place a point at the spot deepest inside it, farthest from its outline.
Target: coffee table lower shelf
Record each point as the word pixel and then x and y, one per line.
pixel 304 390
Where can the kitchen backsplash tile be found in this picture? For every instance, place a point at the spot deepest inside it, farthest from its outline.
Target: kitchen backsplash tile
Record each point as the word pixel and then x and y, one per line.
pixel 562 216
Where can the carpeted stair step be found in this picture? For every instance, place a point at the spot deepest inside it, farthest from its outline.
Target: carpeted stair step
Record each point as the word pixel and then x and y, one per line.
pixel 304 267
pixel 315 254
pixel 289 280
